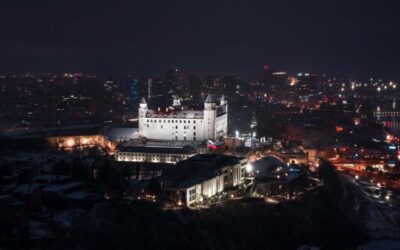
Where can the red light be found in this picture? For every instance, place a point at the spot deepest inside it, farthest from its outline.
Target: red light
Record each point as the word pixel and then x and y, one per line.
pixel 266 67
pixel 339 129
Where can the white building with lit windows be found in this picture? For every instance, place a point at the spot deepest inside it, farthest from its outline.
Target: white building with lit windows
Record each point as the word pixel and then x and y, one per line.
pixel 158 151
pixel 182 124
pixel 201 177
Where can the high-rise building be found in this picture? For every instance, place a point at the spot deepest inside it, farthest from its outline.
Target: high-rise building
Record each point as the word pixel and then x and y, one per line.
pixel 134 93
pixel 274 82
pixel 230 86
pixel 211 84
pixel 110 84
pixel 279 80
pixel 171 81
pixel 268 78
pixel 195 87
pixel 158 87
pixel 306 83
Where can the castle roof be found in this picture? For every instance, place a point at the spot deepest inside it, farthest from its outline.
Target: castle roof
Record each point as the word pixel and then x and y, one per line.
pixel 209 99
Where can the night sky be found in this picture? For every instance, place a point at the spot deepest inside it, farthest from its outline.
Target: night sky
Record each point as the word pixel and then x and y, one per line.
pixel 359 38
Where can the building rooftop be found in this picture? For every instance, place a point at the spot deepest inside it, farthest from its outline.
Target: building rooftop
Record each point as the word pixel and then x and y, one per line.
pixel 181 113
pixel 162 150
pixel 63 187
pixel 159 143
pixel 122 134
pixel 216 160
pixel 197 169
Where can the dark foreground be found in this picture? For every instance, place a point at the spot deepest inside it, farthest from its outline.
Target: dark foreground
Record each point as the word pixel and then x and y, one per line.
pixel 320 219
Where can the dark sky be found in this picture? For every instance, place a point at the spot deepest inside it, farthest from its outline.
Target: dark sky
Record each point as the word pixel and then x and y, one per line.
pixel 358 38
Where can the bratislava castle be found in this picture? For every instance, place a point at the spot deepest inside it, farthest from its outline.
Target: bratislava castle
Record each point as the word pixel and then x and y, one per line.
pixel 179 123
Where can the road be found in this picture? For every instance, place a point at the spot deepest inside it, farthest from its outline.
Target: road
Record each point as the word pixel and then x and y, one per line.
pixel 378 209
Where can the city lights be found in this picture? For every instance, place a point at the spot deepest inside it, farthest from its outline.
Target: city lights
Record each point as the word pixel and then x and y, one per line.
pixel 212 125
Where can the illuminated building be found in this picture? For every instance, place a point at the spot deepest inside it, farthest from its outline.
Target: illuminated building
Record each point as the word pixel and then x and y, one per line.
pixel 306 83
pixel 172 79
pixel 279 80
pixel 204 176
pixel 180 123
pixel 134 91
pixel 157 151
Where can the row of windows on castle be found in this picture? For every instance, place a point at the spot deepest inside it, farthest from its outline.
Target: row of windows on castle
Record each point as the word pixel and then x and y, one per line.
pixel 176 127
pixel 171 121
pixel 149 156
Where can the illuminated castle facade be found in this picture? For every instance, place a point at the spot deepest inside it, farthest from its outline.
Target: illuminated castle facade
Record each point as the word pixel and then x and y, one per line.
pixel 180 123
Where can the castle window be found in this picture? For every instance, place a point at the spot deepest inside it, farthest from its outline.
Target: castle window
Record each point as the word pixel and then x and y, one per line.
pixel 184 121
pixel 194 121
pixel 189 121
pixel 194 138
pixel 194 133
pixel 194 127
pixel 176 127
pixel 162 126
pixel 180 121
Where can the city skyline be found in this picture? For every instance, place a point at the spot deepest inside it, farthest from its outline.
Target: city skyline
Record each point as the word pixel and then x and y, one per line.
pixel 176 124
pixel 338 38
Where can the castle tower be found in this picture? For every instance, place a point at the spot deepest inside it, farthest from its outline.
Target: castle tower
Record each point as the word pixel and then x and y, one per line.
pixel 177 101
pixel 142 108
pixel 223 101
pixel 209 103
pixel 209 117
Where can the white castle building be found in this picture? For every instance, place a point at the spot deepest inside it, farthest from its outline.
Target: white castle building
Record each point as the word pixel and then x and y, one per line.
pixel 180 123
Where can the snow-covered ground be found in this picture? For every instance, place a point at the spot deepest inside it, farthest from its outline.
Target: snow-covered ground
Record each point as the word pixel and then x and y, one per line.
pixel 379 215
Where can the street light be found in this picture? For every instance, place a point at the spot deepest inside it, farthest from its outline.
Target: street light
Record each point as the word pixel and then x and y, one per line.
pixel 249 168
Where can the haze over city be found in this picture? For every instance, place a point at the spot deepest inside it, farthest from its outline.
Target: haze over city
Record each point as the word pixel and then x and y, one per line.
pixel 268 124
pixel 341 38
